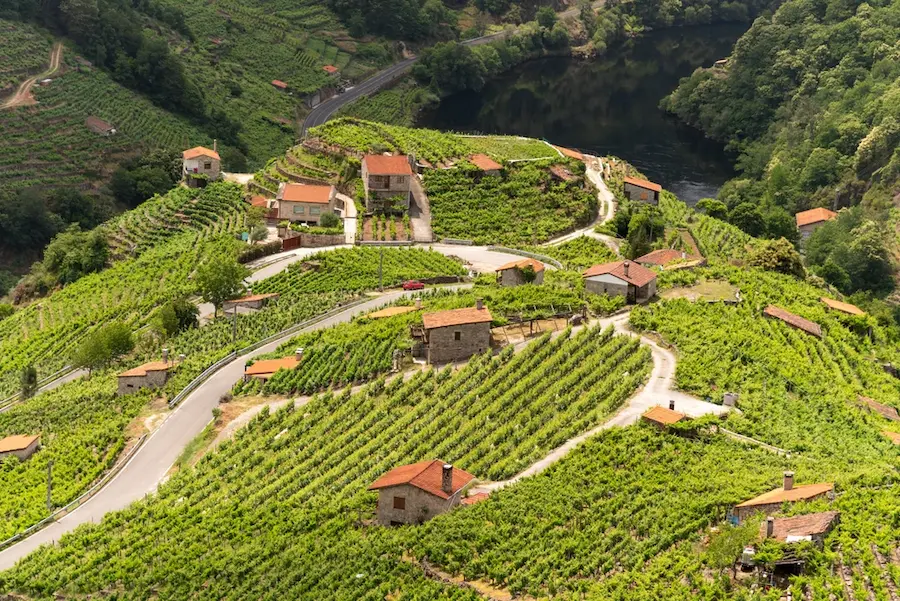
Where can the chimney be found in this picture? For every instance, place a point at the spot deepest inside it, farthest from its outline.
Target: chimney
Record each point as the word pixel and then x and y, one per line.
pixel 418 303
pixel 770 527
pixel 447 479
pixel 788 480
pixel 298 353
pixel 165 355
pixel 215 146
pixel 672 405
pixel 625 268
pixel 479 303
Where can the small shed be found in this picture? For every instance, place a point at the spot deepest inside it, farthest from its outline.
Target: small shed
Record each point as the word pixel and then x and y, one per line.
pixel 412 494
pixel 772 501
pixel 813 527
pixel 149 375
pixel 253 301
pixel 277 83
pixel 22 447
pixel 330 69
pixel 842 306
pixel 457 334
pixel 517 273
pixel 663 417
pixel 641 190
pixel 810 327
pixel 486 164
pixel 621 278
pixel 99 126
pixel 885 411
pixel 811 220
pixel 265 369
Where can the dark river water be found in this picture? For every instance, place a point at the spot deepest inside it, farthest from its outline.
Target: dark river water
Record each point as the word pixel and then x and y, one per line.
pixel 608 106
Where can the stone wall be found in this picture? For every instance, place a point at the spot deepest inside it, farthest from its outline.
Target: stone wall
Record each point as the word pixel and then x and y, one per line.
pixel 155 379
pixel 444 347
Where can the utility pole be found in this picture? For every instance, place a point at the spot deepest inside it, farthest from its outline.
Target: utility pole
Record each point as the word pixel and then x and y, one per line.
pixel 49 486
pixel 380 269
pixel 233 326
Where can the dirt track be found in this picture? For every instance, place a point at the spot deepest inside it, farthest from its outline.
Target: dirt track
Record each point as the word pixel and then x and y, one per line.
pixel 23 96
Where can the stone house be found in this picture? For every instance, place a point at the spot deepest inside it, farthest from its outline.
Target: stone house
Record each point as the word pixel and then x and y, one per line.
pixel 265 369
pixel 304 203
pixel 641 190
pixel 412 494
pixel 663 417
pixel 795 321
pixel 809 221
pixel 486 164
pixel 621 278
pixel 149 375
pixel 253 301
pixel 387 181
pixel 772 501
pixel 22 447
pixel 200 165
pixel 813 527
pixel 456 334
pixel 513 274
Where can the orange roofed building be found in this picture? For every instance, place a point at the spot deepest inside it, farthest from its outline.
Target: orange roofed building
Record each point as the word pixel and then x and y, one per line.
pixel 412 494
pixel 457 334
pixel 621 278
pixel 810 327
pixel 809 221
pixel 253 301
pixel 200 165
pixel 387 181
pixel 662 417
pixel 488 165
pixel 772 501
pixel 22 447
pixel 842 306
pixel 641 190
pixel 513 274
pixel 149 375
pixel 304 202
pixel 265 369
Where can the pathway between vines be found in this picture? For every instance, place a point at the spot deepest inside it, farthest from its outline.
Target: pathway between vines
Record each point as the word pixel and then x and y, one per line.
pixel 23 94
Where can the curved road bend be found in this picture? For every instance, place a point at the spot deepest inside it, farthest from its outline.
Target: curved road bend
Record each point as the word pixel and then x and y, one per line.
pixel 150 464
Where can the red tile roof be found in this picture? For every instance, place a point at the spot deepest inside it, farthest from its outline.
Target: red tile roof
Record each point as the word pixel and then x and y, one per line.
pixel 379 164
pixel 260 201
pixel 885 410
pixel 801 525
pixel 96 123
pixel 562 173
pixel 663 415
pixel 572 154
pixel 642 183
pixel 392 311
pixel 16 443
pixel 330 69
pixel 279 84
pixel 476 498
pixel 797 493
pixel 485 163
pixel 199 151
pixel 536 265
pixel 893 436
pixel 842 306
pixel 814 216
pixel 426 475
pixel 638 275
pixel 142 370
pixel 665 255
pixel 456 317
pixel 798 322
pixel 267 367
pixel 252 297
pixel 305 193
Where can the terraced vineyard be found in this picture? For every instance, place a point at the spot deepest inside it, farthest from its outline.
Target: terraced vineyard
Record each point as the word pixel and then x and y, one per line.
pixel 578 254
pixel 24 51
pixel 492 417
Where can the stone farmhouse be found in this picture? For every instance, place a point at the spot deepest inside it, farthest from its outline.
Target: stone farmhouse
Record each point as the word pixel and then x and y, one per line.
pixel 621 278
pixel 642 190
pixel 387 181
pixel 22 447
pixel 412 494
pixel 772 501
pixel 514 273
pixel 149 375
pixel 809 221
pixel 663 417
pixel 200 165
pixel 304 203
pixel 456 334
pixel 265 369
pixel 486 164
pixel 795 321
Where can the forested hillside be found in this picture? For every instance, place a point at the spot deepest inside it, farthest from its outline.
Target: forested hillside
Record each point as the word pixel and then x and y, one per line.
pixel 811 99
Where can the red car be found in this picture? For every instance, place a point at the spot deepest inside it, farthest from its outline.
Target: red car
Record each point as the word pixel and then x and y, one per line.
pixel 413 285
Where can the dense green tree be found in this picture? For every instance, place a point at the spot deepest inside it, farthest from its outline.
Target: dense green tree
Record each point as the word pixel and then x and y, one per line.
pixel 713 208
pixel 73 254
pixel 329 220
pixel 546 17
pixel 748 217
pixel 28 380
pixel 220 279
pixel 777 255
pixel 103 346
pixel 450 67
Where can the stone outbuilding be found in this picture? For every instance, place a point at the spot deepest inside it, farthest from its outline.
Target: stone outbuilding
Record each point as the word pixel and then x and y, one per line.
pixel 795 321
pixel 516 273
pixel 811 220
pixel 200 165
pixel 265 369
pixel 149 375
pixel 412 494
pixel 457 334
pixel 22 447
pixel 812 527
pixel 621 278
pixel 304 203
pixel 253 301
pixel 641 190
pixel 387 181
pixel 772 501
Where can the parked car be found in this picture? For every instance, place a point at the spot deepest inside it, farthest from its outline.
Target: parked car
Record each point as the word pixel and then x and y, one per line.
pixel 413 285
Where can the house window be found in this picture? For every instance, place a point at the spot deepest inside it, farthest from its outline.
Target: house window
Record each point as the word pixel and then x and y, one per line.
pixel 457 335
pixel 315 210
pixel 643 196
pixel 299 210
pixel 207 165
pixel 380 182
pixel 400 503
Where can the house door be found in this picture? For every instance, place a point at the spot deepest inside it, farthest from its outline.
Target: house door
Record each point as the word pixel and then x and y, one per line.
pixel 631 296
